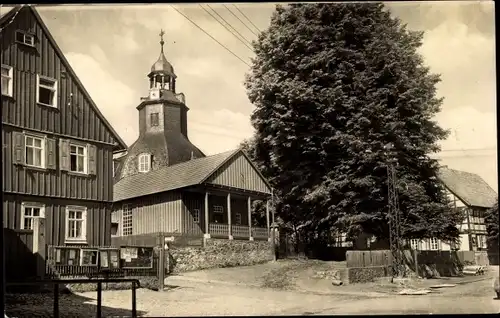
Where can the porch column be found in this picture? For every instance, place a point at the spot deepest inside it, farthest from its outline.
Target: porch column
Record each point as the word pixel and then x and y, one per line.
pixel 207 219
pixel 249 207
pixel 267 218
pixel 229 230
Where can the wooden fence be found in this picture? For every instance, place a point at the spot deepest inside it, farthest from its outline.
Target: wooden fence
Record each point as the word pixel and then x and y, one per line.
pixel 368 258
pixel 20 262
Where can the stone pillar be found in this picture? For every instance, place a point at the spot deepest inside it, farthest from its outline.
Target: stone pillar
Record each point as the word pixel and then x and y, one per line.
pixel 207 219
pixel 162 82
pixel 267 219
pixel 39 247
pixel 230 232
pixel 249 208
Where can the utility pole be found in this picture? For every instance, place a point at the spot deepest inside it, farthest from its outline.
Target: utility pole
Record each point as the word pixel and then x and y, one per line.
pixel 394 214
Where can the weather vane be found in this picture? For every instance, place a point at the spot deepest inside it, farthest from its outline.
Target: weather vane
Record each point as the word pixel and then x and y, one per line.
pixel 161 41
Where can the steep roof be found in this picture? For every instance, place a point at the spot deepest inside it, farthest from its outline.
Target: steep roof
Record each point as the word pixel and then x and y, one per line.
pixel 10 15
pixel 470 188
pixel 173 177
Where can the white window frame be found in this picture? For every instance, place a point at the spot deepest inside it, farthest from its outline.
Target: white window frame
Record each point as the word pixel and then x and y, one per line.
pixel 10 76
pixel 481 241
pixel 42 150
pixel 83 237
pixel 218 209
pixel 237 219
pixel 416 244
pixel 27 205
pixel 144 162
pixel 85 157
pixel 127 220
pixel 25 36
pixel 196 216
pixel 433 244
pixel 53 89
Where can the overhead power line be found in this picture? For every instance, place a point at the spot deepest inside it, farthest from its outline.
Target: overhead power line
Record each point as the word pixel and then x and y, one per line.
pixel 246 18
pixel 225 27
pixel 242 36
pixel 208 34
pixel 242 22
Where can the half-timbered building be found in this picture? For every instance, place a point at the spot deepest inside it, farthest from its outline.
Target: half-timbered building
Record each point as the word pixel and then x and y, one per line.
pixel 57 146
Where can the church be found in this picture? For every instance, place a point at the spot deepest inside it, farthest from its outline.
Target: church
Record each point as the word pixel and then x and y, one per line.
pixel 165 185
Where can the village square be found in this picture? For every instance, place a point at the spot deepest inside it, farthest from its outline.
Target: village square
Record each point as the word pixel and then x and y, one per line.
pixel 249 159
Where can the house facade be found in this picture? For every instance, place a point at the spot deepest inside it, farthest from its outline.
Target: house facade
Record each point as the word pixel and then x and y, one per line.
pixel 57 146
pixel 166 185
pixel 469 193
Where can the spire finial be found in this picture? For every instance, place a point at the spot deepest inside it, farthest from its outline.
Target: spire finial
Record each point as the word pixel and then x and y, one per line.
pixel 161 39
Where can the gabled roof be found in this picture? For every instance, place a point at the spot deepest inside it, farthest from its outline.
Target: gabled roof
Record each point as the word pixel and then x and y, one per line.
pixel 7 17
pixel 169 178
pixel 470 188
pixel 177 176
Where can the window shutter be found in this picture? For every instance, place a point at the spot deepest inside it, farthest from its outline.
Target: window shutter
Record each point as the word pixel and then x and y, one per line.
pixel 91 154
pixel 64 154
pixel 51 153
pixel 19 147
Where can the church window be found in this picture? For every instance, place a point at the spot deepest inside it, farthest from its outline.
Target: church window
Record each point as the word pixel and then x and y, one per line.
pixel 144 162
pixel 155 119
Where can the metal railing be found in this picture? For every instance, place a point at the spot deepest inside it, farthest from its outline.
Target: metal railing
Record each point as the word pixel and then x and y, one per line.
pixel 57 282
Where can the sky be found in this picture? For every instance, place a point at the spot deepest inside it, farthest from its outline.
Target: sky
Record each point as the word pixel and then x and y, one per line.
pixel 112 48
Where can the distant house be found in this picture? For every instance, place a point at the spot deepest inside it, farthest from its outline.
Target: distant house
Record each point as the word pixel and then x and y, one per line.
pixel 467 192
pixel 165 185
pixel 57 145
pixel 470 193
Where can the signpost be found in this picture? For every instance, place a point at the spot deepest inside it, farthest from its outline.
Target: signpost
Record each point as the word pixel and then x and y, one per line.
pixel 164 258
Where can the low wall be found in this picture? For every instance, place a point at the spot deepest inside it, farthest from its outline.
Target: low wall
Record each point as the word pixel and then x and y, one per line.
pixel 219 253
pixel 366 274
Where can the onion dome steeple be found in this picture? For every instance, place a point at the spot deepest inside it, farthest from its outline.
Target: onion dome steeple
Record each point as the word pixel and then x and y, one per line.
pixel 162 76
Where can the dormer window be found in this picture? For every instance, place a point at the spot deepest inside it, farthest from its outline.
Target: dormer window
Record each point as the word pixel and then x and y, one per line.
pixel 144 162
pixel 25 38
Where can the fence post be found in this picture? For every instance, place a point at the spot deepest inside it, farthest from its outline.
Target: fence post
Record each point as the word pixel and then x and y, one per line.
pixel 39 246
pixel 415 256
pixel 56 298
pixel 134 304
pixel 99 299
pixel 161 264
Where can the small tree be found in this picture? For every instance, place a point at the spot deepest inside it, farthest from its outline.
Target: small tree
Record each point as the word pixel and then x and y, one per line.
pixel 491 219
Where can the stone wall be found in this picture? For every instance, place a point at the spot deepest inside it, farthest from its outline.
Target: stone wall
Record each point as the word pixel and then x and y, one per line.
pixel 219 253
pixel 366 274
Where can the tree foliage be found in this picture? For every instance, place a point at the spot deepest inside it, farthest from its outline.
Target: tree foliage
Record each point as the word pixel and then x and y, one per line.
pixel 491 220
pixel 332 84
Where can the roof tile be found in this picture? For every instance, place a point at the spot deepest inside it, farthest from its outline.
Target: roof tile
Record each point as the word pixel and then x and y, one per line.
pixel 468 187
pixel 177 176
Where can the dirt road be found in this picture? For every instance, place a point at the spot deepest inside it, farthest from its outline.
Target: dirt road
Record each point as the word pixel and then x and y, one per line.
pixel 191 298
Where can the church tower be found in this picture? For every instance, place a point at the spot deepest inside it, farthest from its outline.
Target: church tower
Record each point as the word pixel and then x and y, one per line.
pixel 163 138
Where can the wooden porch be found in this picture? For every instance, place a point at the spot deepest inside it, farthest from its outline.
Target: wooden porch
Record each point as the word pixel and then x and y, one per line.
pixel 227 212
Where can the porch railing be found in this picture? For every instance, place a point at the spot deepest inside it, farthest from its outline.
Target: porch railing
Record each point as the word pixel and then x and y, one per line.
pixel 218 229
pixel 240 231
pixel 259 232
